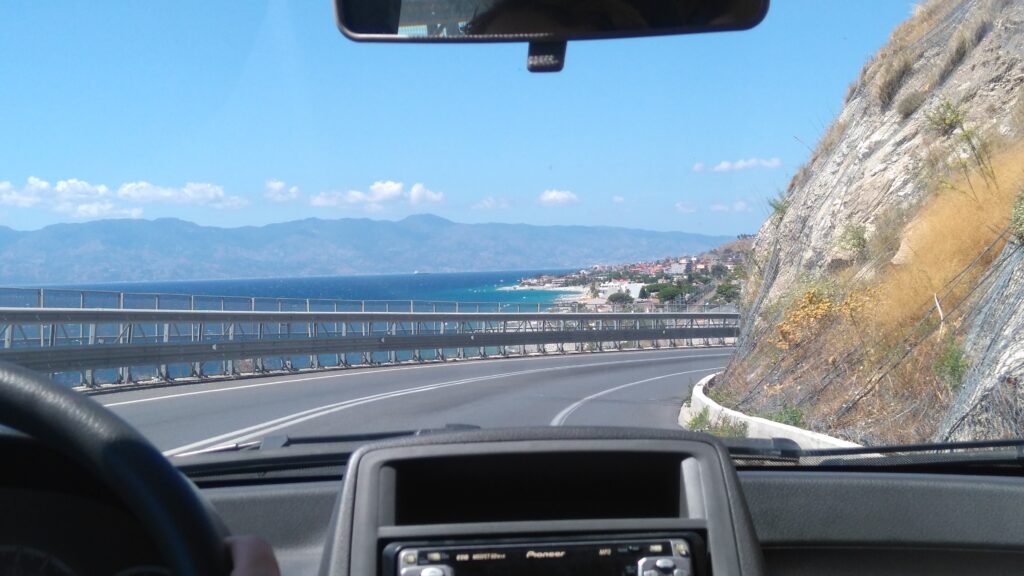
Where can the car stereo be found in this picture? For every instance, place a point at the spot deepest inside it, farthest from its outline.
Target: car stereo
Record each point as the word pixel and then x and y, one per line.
pixel 656 556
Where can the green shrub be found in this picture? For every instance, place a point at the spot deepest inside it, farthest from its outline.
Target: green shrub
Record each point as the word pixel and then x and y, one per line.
pixel 778 204
pixel 946 117
pixel 725 427
pixel 786 414
pixel 620 297
pixel 892 78
pixel 728 291
pixel 700 422
pixel 854 239
pixel 951 364
pixel 1017 218
pixel 910 103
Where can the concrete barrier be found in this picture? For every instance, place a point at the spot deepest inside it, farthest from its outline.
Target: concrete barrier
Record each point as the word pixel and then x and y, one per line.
pixel 756 427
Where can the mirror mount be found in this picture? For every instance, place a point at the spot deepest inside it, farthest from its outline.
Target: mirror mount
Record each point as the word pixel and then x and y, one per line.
pixel 547 25
pixel 546 56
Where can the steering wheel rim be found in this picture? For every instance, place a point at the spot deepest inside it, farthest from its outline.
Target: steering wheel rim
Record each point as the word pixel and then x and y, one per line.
pixel 119 456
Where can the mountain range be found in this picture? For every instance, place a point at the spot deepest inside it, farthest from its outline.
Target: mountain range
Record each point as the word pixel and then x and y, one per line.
pixel 171 249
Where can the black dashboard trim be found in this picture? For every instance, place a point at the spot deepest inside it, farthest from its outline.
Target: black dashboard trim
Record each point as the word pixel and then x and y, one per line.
pixel 353 546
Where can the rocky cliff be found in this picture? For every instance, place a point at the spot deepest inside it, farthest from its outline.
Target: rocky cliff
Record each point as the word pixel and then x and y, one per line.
pixel 884 299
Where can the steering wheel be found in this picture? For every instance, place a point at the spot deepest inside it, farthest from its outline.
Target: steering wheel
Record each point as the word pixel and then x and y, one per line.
pixel 163 500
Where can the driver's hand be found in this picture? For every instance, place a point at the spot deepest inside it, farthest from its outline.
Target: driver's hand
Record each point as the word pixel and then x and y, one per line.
pixel 252 556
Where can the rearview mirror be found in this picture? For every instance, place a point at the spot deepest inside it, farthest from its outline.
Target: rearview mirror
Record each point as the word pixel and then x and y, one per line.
pixel 546 24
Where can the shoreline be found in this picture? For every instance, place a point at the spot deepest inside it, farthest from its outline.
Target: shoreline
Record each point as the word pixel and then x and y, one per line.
pixel 567 294
pixel 545 288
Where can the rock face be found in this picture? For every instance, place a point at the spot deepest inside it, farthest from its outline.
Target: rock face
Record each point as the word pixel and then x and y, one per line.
pixel 867 164
pixel 848 214
pixel 991 403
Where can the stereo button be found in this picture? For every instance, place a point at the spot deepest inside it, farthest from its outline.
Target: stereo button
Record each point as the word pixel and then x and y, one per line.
pixel 432 571
pixel 665 564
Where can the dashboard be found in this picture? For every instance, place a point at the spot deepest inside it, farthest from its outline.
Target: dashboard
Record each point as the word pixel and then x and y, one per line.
pixel 541 501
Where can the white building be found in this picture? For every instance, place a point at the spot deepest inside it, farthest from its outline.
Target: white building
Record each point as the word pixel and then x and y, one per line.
pixel 632 288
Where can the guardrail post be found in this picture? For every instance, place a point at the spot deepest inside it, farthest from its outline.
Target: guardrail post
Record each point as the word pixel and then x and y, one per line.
pixel 229 365
pixel 162 370
pixel 197 367
pixel 392 329
pixel 125 372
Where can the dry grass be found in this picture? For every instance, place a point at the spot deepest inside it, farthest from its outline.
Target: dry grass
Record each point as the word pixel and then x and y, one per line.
pixel 851 91
pixel 892 77
pixel 926 16
pixel 971 34
pixel 894 62
pixel 947 235
pixel 910 103
pixel 829 139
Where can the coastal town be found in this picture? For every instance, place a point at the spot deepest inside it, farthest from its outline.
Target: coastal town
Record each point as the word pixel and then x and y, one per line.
pixel 710 278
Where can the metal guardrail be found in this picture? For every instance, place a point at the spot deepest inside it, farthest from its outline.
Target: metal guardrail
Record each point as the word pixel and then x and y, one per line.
pixel 163 345
pixel 105 299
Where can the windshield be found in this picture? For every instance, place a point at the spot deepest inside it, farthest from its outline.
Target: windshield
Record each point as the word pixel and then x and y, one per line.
pixel 228 222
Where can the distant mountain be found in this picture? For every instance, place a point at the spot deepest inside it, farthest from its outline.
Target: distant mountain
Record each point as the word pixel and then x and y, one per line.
pixel 171 249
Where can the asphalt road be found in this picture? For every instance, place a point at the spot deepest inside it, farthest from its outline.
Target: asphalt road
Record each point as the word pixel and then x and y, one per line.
pixel 643 388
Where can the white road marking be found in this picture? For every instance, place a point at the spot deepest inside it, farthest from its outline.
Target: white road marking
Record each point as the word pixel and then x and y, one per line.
pixel 349 374
pixel 264 428
pixel 559 418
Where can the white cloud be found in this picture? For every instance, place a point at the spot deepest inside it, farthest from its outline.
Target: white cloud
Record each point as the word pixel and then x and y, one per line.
pixel 557 197
pixel 698 167
pixel 327 199
pixel 372 201
pixel 9 196
pixel 491 203
pixel 380 193
pixel 80 190
pixel 618 199
pixel 740 206
pixel 278 191
pixel 81 199
pixel 718 208
pixel 200 193
pixel 726 166
pixel 36 185
pixel 420 194
pixel 685 208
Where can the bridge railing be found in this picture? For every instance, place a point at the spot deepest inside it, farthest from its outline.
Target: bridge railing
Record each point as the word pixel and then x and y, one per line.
pixel 104 299
pixel 97 346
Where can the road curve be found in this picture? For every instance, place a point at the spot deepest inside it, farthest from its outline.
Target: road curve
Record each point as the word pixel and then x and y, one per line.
pixel 644 388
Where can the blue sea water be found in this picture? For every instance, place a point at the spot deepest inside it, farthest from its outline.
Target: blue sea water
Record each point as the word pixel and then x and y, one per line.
pixel 447 287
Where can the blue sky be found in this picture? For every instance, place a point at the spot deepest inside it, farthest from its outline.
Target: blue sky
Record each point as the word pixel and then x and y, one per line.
pixel 247 113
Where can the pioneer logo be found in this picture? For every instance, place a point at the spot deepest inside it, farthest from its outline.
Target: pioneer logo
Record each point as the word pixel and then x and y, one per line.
pixel 541 554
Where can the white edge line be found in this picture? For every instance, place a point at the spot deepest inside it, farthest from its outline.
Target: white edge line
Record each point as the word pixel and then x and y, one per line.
pixel 560 418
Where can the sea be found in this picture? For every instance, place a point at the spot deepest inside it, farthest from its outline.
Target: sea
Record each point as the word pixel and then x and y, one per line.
pixel 434 287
